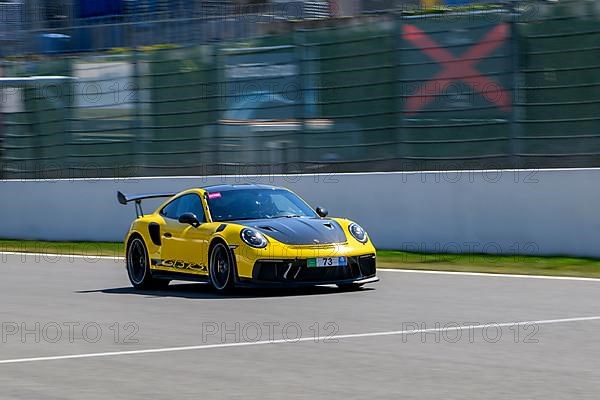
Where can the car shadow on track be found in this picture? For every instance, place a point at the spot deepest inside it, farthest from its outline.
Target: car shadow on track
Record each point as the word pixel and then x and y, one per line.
pixel 205 291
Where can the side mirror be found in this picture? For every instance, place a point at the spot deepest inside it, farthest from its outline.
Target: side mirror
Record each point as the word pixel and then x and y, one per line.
pixel 322 212
pixel 189 218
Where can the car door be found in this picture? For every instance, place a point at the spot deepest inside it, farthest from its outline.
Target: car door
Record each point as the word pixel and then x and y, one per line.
pixel 185 246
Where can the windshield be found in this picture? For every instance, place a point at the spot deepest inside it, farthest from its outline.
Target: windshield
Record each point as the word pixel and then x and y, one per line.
pixel 234 205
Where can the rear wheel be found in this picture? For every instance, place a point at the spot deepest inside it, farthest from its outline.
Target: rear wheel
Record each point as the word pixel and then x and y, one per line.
pixel 221 268
pixel 138 267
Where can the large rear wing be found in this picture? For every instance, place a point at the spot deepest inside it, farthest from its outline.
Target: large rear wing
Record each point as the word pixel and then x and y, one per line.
pixel 126 198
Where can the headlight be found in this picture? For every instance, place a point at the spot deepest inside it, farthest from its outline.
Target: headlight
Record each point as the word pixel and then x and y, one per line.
pixel 358 233
pixel 253 238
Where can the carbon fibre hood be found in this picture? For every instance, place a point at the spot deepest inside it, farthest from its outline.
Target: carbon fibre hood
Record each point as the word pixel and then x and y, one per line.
pixel 299 231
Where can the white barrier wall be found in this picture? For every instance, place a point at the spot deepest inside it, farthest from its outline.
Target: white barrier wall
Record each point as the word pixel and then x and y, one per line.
pixel 533 212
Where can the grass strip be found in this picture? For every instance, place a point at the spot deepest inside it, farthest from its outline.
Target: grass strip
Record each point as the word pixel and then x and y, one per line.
pixel 505 264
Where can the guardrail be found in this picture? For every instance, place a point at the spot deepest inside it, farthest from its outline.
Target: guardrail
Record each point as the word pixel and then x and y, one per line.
pixel 536 212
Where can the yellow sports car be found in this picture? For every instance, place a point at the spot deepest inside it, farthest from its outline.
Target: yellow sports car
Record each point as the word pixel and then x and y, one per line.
pixel 244 235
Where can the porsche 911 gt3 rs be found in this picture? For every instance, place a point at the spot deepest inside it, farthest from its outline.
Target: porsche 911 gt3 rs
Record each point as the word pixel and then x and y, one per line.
pixel 244 235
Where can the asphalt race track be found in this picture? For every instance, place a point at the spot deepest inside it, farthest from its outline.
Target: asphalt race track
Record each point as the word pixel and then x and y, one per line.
pixel 72 328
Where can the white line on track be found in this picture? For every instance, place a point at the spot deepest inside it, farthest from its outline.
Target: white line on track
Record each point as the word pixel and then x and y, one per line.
pixel 52 255
pixel 306 339
pixel 411 271
pixel 489 274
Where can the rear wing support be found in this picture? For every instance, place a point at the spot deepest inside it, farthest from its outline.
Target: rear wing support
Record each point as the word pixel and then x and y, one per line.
pixel 124 199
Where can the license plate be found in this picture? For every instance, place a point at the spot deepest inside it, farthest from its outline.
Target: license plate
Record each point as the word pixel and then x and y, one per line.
pixel 327 262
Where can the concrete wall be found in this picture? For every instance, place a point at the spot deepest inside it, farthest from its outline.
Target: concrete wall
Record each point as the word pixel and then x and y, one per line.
pixel 534 212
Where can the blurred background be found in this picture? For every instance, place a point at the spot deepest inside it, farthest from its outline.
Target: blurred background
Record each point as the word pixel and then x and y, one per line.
pixel 109 88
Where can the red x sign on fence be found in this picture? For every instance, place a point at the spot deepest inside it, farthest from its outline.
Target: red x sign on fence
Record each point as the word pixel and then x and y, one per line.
pixel 458 69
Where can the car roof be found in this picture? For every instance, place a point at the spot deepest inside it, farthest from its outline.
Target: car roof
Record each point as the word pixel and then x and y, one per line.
pixel 241 186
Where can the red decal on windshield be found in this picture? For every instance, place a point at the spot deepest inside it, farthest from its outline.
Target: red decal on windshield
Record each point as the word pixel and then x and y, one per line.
pixel 215 195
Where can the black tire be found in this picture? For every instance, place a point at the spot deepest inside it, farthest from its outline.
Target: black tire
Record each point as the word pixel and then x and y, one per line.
pixel 221 268
pixel 138 267
pixel 349 287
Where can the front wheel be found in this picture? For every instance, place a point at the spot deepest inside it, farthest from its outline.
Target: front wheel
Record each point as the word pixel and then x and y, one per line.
pixel 221 268
pixel 138 267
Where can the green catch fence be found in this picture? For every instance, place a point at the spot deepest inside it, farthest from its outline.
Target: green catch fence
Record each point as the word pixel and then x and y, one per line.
pixel 503 88
pixel 560 91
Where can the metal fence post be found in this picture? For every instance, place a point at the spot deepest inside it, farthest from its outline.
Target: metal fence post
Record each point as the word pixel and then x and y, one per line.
pixel 136 121
pixel 2 125
pixel 399 89
pixel 69 104
pixel 515 159
pixel 299 44
pixel 219 104
pixel 37 155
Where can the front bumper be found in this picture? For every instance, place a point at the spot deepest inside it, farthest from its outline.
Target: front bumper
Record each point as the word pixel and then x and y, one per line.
pixel 295 272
